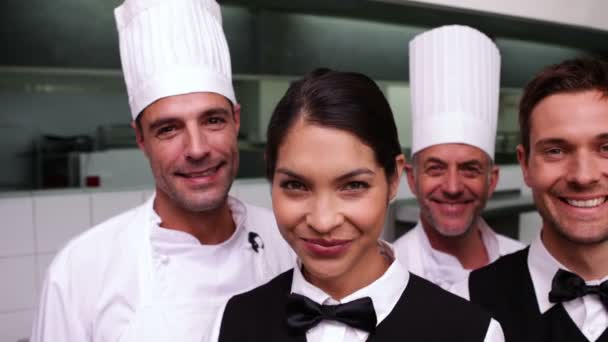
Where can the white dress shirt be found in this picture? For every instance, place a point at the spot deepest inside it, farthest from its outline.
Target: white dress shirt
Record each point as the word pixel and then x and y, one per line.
pixel 385 292
pixel 587 312
pixel 415 252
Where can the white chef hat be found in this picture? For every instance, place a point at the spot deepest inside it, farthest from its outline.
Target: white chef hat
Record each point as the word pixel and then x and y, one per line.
pixel 455 85
pixel 172 47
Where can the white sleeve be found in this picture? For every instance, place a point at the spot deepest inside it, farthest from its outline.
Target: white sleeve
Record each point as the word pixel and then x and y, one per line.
pixel 57 318
pixel 461 288
pixel 494 333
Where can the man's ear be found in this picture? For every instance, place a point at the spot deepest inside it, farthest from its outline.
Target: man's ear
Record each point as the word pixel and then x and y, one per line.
pixel 522 158
pixel 411 179
pixel 494 176
pixel 237 116
pixel 139 136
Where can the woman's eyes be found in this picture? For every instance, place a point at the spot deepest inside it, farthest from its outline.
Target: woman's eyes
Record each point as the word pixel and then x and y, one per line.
pixel 356 185
pixel 353 186
pixel 293 185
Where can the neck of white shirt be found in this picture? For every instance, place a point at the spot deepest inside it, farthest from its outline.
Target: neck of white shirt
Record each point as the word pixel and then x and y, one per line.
pixel 385 291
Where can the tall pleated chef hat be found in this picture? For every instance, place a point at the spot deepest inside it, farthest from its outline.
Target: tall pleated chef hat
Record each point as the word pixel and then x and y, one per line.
pixel 455 85
pixel 172 47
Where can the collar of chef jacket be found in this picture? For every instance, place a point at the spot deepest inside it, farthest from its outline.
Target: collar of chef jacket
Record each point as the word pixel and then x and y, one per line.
pixel 239 215
pixel 169 245
pixel 488 237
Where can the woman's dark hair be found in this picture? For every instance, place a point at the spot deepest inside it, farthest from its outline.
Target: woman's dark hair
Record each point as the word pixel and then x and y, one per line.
pixel 347 101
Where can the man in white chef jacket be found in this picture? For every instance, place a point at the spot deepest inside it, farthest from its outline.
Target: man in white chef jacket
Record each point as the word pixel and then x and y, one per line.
pixel 455 83
pixel 161 272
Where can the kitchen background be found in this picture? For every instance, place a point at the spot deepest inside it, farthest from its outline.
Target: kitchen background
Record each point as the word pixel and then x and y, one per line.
pixel 68 155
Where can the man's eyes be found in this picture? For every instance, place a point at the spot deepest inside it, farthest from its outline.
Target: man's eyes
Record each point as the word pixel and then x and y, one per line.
pixel 164 130
pixel 216 120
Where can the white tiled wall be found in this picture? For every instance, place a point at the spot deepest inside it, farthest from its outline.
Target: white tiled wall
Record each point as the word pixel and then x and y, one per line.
pixel 108 204
pixel 18 285
pixel 15 326
pixel 57 218
pixel 17 228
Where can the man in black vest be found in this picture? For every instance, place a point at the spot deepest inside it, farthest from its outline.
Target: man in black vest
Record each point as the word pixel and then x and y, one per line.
pixel 556 290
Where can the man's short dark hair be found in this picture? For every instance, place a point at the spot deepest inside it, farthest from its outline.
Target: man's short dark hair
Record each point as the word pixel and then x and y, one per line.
pixel 574 75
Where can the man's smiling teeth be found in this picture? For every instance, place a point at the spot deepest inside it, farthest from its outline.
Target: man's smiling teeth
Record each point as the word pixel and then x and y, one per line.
pixel 590 203
pixel 201 174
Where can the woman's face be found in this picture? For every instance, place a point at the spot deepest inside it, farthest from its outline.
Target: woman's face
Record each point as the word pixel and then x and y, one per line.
pixel 330 199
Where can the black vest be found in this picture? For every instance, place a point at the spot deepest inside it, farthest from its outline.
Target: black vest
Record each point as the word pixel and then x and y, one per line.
pixel 424 312
pixel 505 289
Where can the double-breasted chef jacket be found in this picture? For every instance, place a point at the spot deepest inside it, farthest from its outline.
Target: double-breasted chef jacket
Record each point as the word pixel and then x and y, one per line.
pixel 129 280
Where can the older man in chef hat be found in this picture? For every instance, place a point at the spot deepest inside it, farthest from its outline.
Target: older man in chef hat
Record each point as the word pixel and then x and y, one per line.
pixel 454 81
pixel 162 271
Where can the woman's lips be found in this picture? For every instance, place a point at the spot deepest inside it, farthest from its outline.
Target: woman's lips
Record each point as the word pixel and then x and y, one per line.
pixel 326 248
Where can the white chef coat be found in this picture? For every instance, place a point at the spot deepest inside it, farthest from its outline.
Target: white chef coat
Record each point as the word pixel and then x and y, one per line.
pixel 416 254
pixel 129 280
pixel 588 312
pixel 385 292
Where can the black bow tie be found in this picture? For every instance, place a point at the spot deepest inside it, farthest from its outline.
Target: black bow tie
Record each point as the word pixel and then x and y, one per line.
pixel 303 313
pixel 567 286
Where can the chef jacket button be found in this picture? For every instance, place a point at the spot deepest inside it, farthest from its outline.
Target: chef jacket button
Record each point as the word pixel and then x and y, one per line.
pixel 164 260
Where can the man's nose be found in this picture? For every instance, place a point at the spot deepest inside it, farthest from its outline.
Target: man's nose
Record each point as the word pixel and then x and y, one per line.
pixel 452 185
pixel 584 170
pixel 197 146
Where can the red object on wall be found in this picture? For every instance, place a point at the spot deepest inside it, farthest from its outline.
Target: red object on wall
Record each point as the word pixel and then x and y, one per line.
pixel 93 181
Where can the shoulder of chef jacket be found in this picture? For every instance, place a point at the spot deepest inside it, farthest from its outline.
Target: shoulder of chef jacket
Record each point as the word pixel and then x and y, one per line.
pixel 261 221
pixel 116 254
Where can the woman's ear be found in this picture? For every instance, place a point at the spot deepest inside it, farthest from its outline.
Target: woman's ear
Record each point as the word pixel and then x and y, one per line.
pixel 396 179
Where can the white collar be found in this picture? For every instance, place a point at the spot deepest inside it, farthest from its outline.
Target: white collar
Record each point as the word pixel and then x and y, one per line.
pixel 384 291
pixel 488 237
pixel 237 208
pixel 543 266
pixel 171 236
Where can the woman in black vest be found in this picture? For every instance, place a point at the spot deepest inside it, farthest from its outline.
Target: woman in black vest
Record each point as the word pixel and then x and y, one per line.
pixel 334 161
